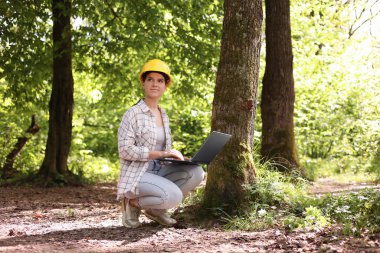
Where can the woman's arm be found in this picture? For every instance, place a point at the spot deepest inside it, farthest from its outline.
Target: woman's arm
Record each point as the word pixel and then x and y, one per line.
pixel 127 139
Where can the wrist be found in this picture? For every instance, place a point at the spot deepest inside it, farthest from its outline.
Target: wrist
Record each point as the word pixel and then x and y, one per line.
pixel 164 154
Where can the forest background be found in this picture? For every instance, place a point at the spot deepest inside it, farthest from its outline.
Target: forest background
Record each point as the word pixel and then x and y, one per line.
pixel 336 60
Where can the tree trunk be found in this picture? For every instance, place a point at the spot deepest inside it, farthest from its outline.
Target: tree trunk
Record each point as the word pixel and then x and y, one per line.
pixel 7 169
pixel 277 103
pixel 234 105
pixel 54 167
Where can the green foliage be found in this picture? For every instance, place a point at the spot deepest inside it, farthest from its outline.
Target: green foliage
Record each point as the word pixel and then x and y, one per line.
pixel 92 169
pixel 337 87
pixel 194 197
pixel 376 164
pixel 278 200
pixel 312 218
pixel 258 219
pixel 25 57
pixel 358 211
pixel 271 197
pixel 273 188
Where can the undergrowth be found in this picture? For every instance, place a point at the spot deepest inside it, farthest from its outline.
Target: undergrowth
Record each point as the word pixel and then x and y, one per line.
pixel 282 201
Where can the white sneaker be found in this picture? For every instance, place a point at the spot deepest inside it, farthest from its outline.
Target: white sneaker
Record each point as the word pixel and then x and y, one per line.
pixel 161 216
pixel 130 214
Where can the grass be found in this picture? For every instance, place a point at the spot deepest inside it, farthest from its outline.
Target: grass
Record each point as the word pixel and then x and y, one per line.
pixel 282 201
pixel 358 212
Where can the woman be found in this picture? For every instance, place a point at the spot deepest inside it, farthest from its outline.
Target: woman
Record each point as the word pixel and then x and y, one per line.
pixel 144 136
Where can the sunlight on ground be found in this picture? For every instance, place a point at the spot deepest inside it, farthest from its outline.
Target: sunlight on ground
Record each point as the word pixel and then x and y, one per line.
pixel 351 178
pixel 339 183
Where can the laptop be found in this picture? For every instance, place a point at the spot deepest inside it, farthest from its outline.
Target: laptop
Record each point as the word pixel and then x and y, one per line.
pixel 209 149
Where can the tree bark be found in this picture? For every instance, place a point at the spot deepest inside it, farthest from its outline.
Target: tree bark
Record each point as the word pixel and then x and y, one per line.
pixel 234 105
pixel 54 168
pixel 7 169
pixel 278 96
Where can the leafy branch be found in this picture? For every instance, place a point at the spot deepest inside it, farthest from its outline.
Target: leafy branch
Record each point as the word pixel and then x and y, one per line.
pixel 358 22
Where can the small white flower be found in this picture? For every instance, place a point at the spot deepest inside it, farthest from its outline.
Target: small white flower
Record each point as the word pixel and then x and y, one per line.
pixel 343 209
pixel 261 212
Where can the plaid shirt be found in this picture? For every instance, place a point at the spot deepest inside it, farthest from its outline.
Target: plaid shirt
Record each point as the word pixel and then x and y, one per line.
pixel 137 136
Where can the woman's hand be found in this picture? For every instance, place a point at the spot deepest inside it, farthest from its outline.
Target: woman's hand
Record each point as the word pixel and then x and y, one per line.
pixel 173 154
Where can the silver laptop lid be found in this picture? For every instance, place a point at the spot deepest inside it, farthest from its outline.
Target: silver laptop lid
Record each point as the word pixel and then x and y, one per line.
pixel 211 147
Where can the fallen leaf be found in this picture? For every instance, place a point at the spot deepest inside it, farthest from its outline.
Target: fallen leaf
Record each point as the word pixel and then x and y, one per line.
pixel 38 216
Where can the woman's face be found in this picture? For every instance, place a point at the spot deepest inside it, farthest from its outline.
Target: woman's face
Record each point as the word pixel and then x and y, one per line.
pixel 154 85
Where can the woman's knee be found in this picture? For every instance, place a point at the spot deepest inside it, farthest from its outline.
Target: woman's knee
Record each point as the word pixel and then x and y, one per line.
pixel 196 177
pixel 174 198
pixel 157 196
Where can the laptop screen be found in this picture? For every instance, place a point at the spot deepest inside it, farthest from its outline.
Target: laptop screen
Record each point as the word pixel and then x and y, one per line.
pixel 211 147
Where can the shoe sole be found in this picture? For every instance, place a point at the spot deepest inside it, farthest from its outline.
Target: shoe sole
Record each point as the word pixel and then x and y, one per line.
pixel 156 219
pixel 130 226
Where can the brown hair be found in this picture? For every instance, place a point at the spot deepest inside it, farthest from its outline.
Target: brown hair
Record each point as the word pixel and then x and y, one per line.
pixel 166 77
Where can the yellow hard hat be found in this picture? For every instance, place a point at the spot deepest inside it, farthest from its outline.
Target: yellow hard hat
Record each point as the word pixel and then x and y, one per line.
pixel 156 65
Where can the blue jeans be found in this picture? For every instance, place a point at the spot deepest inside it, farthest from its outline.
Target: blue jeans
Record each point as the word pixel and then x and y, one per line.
pixel 164 186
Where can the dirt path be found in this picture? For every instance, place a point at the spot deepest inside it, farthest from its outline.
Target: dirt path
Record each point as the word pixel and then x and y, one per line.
pixel 328 185
pixel 86 219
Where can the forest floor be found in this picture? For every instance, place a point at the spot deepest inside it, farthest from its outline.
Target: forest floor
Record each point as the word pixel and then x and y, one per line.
pixel 87 219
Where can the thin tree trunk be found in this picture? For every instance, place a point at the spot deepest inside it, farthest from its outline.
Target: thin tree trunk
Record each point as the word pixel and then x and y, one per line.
pixel 54 167
pixel 234 105
pixel 277 103
pixel 7 169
